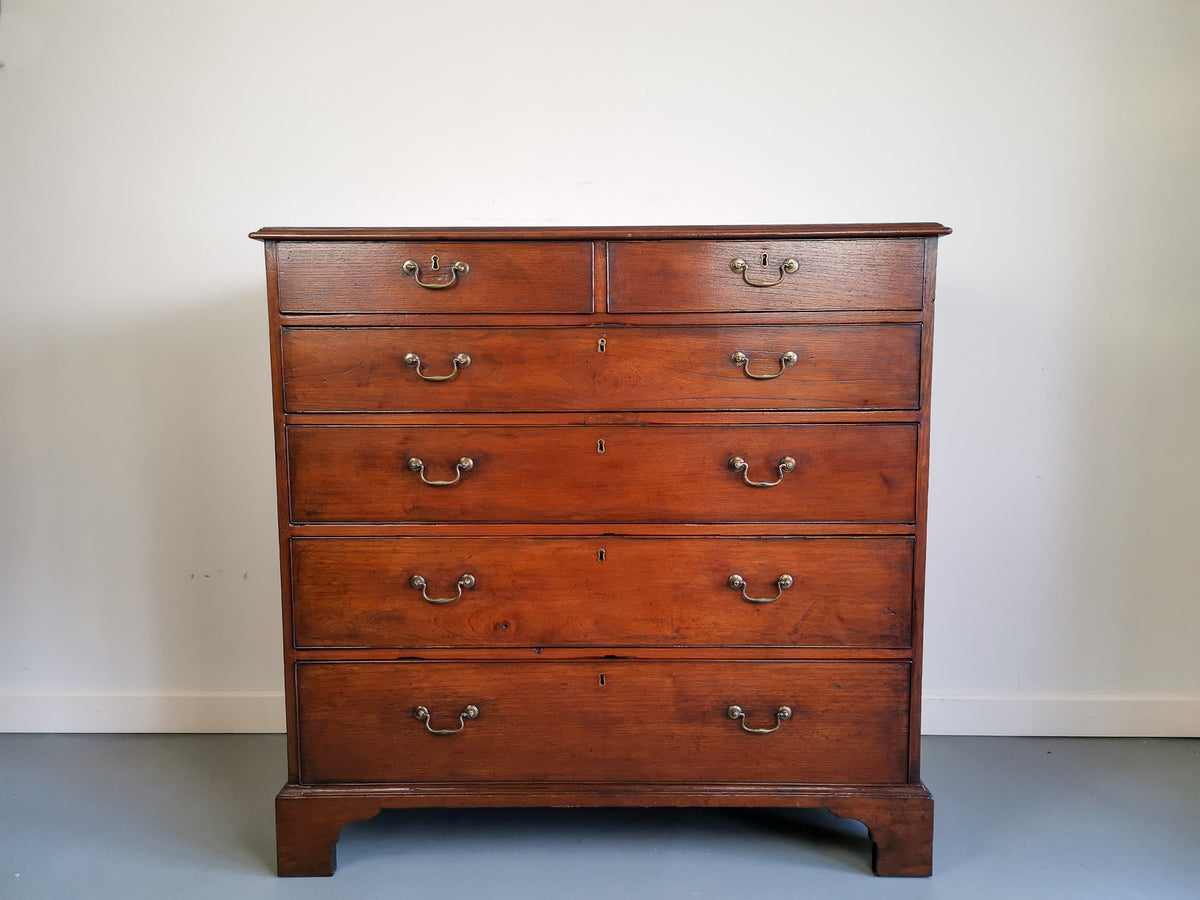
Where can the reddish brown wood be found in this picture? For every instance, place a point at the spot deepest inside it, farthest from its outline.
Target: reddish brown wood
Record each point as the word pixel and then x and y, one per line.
pixel 618 417
pixel 609 793
pixel 914 738
pixel 644 474
pixel 602 317
pixel 641 232
pixel 695 276
pixel 546 617
pixel 369 277
pixel 651 529
pixel 899 819
pixel 281 487
pixel 602 721
pixel 536 654
pixel 599 273
pixel 900 829
pixel 604 591
pixel 363 369
pixel 307 828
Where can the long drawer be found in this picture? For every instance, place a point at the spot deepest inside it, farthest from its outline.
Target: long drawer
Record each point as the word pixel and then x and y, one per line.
pixel 776 276
pixel 597 721
pixel 474 369
pixel 602 591
pixel 612 473
pixel 435 277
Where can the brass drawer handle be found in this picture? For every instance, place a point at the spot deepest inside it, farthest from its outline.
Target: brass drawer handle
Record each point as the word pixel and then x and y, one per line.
pixel 738 583
pixel 470 711
pixel 459 362
pixel 741 359
pixel 737 464
pixel 781 715
pixel 465 583
pixel 464 464
pixel 787 267
pixel 411 268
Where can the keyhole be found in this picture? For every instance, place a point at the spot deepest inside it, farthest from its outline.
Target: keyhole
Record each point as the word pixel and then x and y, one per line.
pixel 600 446
pixel 764 259
pixel 600 345
pixel 435 261
pixel 601 679
pixel 600 555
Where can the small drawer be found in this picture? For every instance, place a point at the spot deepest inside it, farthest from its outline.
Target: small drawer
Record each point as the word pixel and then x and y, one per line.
pixel 777 276
pixel 473 277
pixel 614 473
pixel 611 368
pixel 602 591
pixel 611 720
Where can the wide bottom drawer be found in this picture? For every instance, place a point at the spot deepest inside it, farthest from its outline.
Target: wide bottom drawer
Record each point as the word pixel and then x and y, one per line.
pixel 609 720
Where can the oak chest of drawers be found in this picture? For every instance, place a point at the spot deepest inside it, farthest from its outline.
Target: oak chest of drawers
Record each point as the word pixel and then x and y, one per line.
pixel 602 517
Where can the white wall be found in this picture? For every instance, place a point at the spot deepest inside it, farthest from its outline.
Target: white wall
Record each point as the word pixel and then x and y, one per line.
pixel 140 140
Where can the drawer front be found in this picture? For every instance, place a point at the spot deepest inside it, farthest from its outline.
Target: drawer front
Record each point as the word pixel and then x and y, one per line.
pixel 602 591
pixel 830 367
pixel 617 473
pixel 695 276
pixel 501 277
pixel 643 721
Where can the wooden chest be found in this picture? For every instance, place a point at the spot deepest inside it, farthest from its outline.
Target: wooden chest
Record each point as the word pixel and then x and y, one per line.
pixel 602 517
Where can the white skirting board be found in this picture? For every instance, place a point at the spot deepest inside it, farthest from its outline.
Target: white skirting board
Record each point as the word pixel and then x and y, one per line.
pixel 236 712
pixel 1062 715
pixel 221 712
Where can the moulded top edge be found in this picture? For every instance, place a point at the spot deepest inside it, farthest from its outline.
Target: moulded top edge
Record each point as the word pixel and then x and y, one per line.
pixel 608 233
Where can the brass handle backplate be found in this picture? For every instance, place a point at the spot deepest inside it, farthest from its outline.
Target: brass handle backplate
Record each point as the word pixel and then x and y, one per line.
pixel 465 464
pixel 741 359
pixel 787 267
pixel 465 583
pixel 470 711
pixel 737 464
pixel 461 361
pixel 738 583
pixel 781 715
pixel 411 268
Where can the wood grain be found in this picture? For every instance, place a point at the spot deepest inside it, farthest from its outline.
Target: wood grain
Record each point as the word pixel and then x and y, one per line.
pixel 604 591
pixel 307 829
pixel 369 277
pixel 603 682
pixel 589 233
pixel 642 721
pixel 694 276
pixel 535 369
pixel 899 818
pixel 648 473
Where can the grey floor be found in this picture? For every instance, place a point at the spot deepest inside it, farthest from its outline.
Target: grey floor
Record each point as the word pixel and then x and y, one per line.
pixel 179 816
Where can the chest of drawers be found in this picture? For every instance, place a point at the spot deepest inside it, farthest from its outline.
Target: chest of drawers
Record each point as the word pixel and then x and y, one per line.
pixel 602 517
